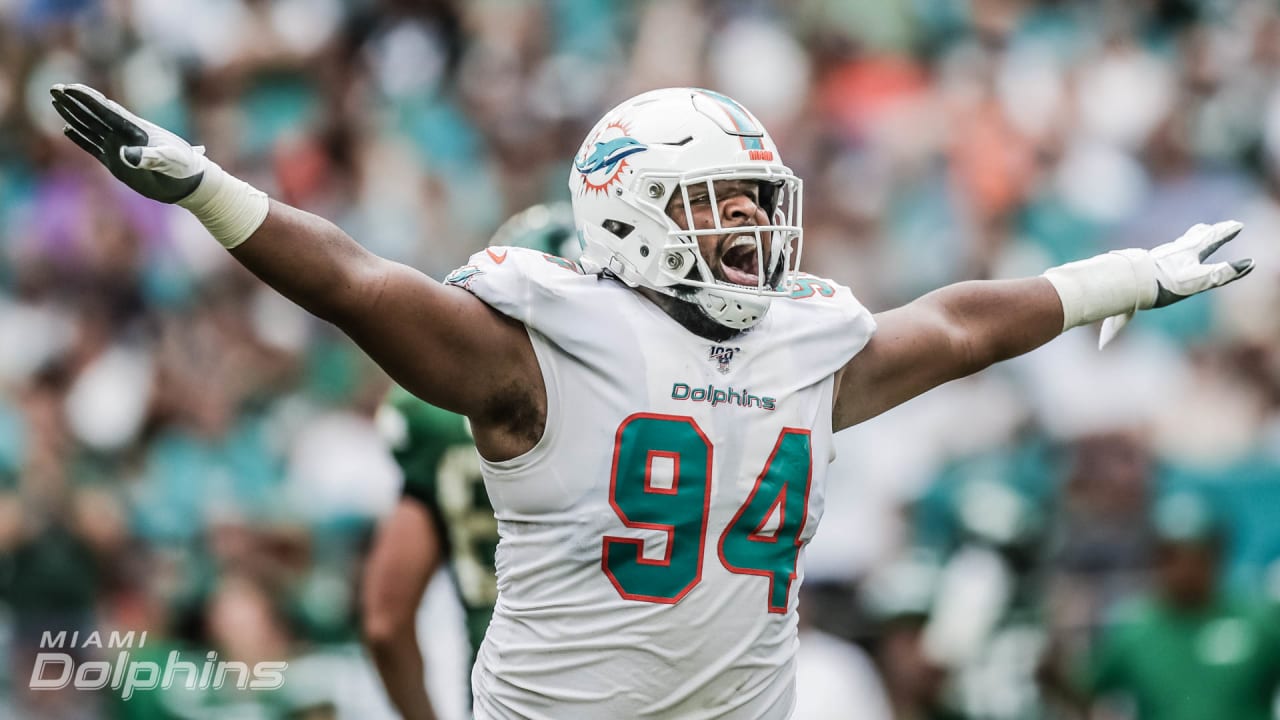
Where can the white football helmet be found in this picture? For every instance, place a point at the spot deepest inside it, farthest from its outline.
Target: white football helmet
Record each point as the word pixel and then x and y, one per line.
pixel 662 143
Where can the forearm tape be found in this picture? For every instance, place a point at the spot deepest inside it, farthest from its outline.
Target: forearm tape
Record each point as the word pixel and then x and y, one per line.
pixel 1115 283
pixel 230 208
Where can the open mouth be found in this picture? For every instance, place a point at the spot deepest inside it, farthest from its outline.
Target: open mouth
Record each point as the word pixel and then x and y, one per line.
pixel 741 262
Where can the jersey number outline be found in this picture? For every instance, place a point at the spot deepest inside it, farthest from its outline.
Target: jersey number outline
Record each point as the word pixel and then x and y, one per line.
pixel 469 525
pixel 806 286
pixel 746 546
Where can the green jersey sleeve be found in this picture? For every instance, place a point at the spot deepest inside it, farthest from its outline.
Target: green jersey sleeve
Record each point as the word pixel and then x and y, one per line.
pixel 422 436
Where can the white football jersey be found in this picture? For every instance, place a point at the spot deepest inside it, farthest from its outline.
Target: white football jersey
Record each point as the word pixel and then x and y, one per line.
pixel 652 541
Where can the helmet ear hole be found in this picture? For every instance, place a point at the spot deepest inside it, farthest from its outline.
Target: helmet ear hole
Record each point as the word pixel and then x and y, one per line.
pixel 618 229
pixel 682 264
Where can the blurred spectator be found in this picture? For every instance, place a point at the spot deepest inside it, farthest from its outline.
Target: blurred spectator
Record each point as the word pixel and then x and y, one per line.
pixel 900 601
pixel 834 677
pixel 1189 650
pixel 1102 538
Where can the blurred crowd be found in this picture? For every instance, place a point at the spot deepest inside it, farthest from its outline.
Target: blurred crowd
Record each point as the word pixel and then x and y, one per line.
pixel 184 452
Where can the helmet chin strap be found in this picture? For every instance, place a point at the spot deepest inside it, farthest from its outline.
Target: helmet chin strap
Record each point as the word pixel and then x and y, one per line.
pixel 686 309
pixel 736 311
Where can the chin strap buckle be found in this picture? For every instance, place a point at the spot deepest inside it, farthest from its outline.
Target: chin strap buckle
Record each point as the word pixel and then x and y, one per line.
pixel 620 267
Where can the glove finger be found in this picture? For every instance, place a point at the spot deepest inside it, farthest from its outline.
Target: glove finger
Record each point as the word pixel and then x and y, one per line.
pixel 1193 236
pixel 1239 269
pixel 84 111
pixel 1222 273
pixel 1112 327
pixel 148 158
pixel 1224 232
pixel 132 156
pixel 109 112
pixel 85 143
pixel 79 118
pixel 173 161
pixel 112 109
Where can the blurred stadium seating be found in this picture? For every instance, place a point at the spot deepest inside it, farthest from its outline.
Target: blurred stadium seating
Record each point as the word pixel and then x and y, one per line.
pixel 184 452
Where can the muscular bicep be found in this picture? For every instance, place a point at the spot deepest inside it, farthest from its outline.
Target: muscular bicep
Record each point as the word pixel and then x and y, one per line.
pixel 912 351
pixel 442 343
pixel 947 334
pixel 439 342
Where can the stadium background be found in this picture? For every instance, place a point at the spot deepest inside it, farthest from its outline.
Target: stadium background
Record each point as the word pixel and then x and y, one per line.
pixel 182 451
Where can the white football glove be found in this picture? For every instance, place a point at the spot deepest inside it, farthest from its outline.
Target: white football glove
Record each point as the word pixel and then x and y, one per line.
pixel 160 165
pixel 149 159
pixel 1180 271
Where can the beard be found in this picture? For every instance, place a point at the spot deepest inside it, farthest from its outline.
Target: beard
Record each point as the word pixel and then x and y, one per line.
pixel 684 309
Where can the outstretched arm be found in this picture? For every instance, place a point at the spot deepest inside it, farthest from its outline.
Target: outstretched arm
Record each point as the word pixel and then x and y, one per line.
pixel 439 342
pixel 963 328
pixel 942 336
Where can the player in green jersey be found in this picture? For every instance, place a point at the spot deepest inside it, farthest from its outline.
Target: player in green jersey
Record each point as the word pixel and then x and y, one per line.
pixel 1191 649
pixel 444 515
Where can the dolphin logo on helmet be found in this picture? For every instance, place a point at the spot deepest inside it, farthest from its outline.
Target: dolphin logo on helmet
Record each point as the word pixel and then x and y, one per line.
pixel 609 153
pixel 603 158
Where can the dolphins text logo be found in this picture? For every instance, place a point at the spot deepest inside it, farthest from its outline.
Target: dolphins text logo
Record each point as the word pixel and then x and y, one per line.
pixel 57 670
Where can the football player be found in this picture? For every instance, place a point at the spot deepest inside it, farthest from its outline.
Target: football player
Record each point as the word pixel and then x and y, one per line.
pixel 654 422
pixel 444 515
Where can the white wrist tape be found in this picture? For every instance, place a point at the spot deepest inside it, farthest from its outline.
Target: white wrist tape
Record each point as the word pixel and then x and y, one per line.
pixel 1115 283
pixel 230 208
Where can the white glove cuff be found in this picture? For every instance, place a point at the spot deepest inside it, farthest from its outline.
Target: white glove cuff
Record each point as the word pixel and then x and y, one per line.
pixel 1115 283
pixel 230 208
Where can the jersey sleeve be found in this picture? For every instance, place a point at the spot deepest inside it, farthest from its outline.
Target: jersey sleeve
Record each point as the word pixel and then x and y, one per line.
pixel 552 297
pixel 520 283
pixel 827 322
pixel 858 322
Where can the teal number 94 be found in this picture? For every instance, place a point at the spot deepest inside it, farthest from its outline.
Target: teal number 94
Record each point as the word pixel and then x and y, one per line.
pixel 678 505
